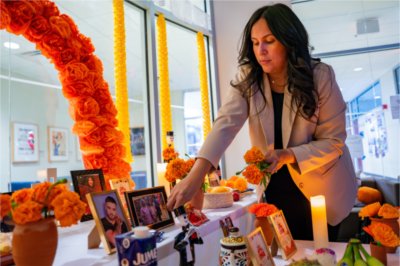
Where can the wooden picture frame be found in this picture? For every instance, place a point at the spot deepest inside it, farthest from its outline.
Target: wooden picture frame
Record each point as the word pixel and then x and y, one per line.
pixel 282 234
pixel 258 248
pixel 25 142
pixel 82 181
pixel 121 185
pixel 58 145
pixel 143 210
pixel 137 141
pixel 107 210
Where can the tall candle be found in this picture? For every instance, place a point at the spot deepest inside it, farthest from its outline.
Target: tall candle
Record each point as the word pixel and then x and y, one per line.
pixel 319 222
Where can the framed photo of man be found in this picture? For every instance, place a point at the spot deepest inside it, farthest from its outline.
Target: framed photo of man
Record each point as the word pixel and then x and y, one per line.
pixel 148 207
pixel 109 217
pixel 86 182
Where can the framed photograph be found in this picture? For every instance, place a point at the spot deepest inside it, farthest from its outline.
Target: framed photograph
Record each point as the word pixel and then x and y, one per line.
pixel 148 207
pixel 109 217
pixel 25 142
pixel 86 182
pixel 282 234
pixel 258 248
pixel 121 185
pixel 58 144
pixel 137 141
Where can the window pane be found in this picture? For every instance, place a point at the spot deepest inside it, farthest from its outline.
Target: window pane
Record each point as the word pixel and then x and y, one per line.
pixel 31 91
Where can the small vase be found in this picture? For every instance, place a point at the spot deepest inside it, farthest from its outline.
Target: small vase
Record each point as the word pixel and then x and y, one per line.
pixel 265 227
pixel 35 243
pixel 378 252
pixel 198 200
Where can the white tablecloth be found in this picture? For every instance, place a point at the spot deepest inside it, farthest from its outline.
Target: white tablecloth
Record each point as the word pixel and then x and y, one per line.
pixel 72 246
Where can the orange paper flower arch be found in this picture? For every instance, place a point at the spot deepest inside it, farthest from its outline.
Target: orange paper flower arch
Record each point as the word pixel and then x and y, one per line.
pixel 81 75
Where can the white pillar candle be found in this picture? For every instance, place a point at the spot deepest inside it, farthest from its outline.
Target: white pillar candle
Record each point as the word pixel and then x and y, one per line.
pixel 319 223
pixel 161 168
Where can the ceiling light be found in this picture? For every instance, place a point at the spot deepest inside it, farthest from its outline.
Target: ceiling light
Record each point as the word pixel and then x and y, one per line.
pixel 11 45
pixel 377 97
pixel 357 69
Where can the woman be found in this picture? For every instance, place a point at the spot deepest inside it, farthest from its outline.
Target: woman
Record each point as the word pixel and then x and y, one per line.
pixel 296 117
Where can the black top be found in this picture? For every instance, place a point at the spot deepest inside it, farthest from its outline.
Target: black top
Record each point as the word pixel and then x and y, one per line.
pixel 282 191
pixel 109 226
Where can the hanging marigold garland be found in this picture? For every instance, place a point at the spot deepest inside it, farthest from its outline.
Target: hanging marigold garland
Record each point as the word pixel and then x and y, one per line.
pixel 205 102
pixel 121 87
pixel 81 76
pixel 164 95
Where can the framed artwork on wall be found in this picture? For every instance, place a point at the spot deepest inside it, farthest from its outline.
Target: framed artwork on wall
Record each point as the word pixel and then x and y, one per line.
pixel 58 144
pixel 137 141
pixel 25 142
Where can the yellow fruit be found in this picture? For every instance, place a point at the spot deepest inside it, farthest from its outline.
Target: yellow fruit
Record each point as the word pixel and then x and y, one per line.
pixel 220 189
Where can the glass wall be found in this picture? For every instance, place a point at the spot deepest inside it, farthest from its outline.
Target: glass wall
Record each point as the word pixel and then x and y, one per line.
pixel 360 40
pixel 31 98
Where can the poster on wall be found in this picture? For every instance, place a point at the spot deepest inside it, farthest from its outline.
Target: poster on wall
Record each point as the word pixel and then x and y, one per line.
pixel 137 141
pixel 58 144
pixel 25 142
pixel 373 127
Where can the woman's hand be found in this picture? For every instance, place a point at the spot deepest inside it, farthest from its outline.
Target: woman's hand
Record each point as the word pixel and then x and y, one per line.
pixel 190 185
pixel 278 158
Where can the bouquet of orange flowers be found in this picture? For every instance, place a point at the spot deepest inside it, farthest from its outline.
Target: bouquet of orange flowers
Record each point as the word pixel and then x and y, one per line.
pixel 33 204
pixel 256 166
pixel 383 234
pixel 262 209
pixel 177 168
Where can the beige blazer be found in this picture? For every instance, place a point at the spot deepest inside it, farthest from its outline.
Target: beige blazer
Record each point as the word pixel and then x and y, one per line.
pixel 323 167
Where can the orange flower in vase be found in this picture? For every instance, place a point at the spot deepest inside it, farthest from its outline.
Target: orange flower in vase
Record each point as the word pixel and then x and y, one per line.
pixel 383 234
pixel 261 212
pixel 33 210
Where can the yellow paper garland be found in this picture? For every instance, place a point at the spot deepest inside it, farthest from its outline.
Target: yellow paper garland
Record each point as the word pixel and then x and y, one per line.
pixel 205 102
pixel 164 95
pixel 121 88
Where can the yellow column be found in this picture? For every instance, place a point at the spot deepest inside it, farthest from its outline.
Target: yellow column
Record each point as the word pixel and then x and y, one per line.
pixel 163 74
pixel 205 102
pixel 121 88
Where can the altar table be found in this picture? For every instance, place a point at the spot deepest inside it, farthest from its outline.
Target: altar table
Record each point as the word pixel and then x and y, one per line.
pixel 72 246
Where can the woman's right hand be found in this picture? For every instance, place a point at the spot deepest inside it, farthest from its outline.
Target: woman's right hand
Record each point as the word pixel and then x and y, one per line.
pixel 190 185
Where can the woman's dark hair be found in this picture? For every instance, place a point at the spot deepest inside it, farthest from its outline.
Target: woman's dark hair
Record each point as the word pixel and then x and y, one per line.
pixel 288 29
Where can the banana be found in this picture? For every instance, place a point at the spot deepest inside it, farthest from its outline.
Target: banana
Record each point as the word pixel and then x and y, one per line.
pixel 371 261
pixel 358 261
pixel 347 259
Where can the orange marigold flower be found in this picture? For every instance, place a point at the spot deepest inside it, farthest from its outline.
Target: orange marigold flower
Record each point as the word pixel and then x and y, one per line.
pixel 27 212
pixel 21 196
pixel 253 174
pixel 262 209
pixel 68 208
pixel 54 192
pixel 40 192
pixel 169 154
pixel 233 178
pixel 383 233
pixel 240 184
pixel 189 164
pixel 230 183
pixel 176 169
pixel 254 155
pixel 5 205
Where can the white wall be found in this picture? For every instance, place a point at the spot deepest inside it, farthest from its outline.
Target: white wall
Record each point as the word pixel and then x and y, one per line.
pixel 230 17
